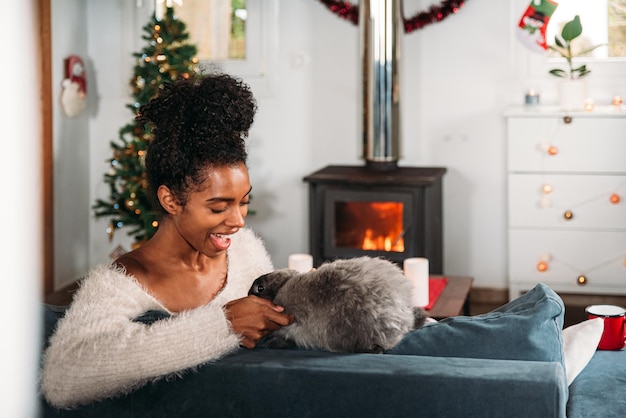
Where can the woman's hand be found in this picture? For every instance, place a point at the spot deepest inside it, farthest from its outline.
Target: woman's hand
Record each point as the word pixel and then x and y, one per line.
pixel 253 318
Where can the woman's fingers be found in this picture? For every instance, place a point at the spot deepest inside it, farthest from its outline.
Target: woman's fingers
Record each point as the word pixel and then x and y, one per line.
pixel 253 318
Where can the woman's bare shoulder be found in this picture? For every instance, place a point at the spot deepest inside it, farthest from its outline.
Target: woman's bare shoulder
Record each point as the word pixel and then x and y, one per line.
pixel 134 263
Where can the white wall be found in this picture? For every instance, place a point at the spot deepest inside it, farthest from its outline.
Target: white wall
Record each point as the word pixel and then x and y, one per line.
pixel 71 144
pixel 458 77
pixel 22 253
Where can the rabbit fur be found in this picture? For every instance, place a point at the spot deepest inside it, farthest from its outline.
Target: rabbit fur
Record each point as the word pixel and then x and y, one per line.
pixel 362 304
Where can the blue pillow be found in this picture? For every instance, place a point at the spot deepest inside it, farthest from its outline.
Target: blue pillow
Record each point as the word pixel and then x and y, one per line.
pixel 527 328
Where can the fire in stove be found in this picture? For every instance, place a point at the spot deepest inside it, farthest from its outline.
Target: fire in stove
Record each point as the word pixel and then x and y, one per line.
pixel 370 226
pixel 355 211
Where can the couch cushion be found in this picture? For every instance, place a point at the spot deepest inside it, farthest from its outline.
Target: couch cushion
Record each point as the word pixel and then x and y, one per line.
pixel 276 383
pixel 527 328
pixel 51 315
pixel 311 384
pixel 599 389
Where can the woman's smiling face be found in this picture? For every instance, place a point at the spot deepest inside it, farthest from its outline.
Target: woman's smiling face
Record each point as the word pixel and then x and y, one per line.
pixel 215 210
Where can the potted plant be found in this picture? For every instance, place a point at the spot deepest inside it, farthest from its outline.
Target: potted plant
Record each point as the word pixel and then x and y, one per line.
pixel 572 89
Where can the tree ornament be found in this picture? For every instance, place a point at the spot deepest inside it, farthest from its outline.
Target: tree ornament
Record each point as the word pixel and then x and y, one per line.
pixel 110 231
pixel 436 13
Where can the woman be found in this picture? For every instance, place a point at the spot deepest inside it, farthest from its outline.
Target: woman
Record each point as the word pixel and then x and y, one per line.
pixel 194 273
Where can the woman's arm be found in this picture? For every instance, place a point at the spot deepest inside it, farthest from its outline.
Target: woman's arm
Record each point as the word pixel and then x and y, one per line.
pixel 98 350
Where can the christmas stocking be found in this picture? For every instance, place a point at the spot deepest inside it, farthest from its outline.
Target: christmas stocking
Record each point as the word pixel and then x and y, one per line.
pixel 531 29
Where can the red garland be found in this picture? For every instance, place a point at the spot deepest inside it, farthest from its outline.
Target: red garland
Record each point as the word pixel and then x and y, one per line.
pixel 436 13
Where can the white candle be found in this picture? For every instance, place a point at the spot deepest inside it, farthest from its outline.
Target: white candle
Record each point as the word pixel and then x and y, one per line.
pixel 300 262
pixel 416 270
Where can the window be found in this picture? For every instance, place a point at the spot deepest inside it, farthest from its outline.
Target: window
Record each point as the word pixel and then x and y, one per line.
pixel 216 27
pixel 603 21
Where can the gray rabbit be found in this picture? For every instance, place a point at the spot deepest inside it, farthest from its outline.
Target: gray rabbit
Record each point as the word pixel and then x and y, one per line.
pixel 353 305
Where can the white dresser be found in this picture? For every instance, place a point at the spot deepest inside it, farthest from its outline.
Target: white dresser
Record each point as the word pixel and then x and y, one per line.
pixel 567 200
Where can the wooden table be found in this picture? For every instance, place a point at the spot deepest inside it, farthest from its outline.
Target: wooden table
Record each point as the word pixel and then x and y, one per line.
pixel 454 299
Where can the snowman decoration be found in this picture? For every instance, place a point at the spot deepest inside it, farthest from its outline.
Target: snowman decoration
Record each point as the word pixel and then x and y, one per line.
pixel 74 87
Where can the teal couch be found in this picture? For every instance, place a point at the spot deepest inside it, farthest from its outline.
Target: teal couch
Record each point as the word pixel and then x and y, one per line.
pixel 470 376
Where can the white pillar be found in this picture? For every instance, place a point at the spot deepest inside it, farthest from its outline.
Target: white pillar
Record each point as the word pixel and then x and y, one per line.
pixel 20 210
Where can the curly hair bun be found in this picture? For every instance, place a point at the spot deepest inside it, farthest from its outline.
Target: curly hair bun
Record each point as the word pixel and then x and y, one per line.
pixel 210 106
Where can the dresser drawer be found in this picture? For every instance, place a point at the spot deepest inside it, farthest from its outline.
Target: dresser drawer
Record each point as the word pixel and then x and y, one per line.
pixel 588 197
pixel 598 255
pixel 592 145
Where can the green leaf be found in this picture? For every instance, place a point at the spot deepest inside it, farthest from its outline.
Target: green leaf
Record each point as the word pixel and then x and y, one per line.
pixel 572 29
pixel 561 51
pixel 588 50
pixel 558 72
pixel 581 72
pixel 557 41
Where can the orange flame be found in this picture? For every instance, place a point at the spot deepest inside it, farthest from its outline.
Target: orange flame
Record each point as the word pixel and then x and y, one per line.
pixel 382 242
pixel 371 226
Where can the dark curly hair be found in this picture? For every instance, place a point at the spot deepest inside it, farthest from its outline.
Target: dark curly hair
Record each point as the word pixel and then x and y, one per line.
pixel 198 124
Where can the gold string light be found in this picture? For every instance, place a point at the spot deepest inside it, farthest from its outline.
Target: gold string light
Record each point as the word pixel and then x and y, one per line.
pixel 545 259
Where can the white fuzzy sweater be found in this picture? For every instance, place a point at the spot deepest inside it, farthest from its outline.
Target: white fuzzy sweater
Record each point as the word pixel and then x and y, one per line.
pixel 98 351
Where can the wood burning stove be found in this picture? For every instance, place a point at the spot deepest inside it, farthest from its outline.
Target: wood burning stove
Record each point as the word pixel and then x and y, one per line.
pixel 355 211
pixel 379 209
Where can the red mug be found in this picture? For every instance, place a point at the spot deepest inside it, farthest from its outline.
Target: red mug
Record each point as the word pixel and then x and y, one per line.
pixel 614 334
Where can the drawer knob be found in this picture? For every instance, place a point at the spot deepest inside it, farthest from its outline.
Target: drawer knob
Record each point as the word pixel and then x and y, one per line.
pixel 581 280
pixel 552 150
pixel 568 215
pixel 567 119
pixel 615 198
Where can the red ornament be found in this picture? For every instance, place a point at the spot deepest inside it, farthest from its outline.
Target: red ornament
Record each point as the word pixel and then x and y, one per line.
pixel 436 13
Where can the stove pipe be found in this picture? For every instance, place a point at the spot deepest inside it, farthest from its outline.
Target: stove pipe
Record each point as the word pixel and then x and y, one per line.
pixel 381 25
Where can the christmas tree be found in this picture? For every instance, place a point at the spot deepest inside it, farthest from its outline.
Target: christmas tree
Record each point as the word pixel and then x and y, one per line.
pixel 167 57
